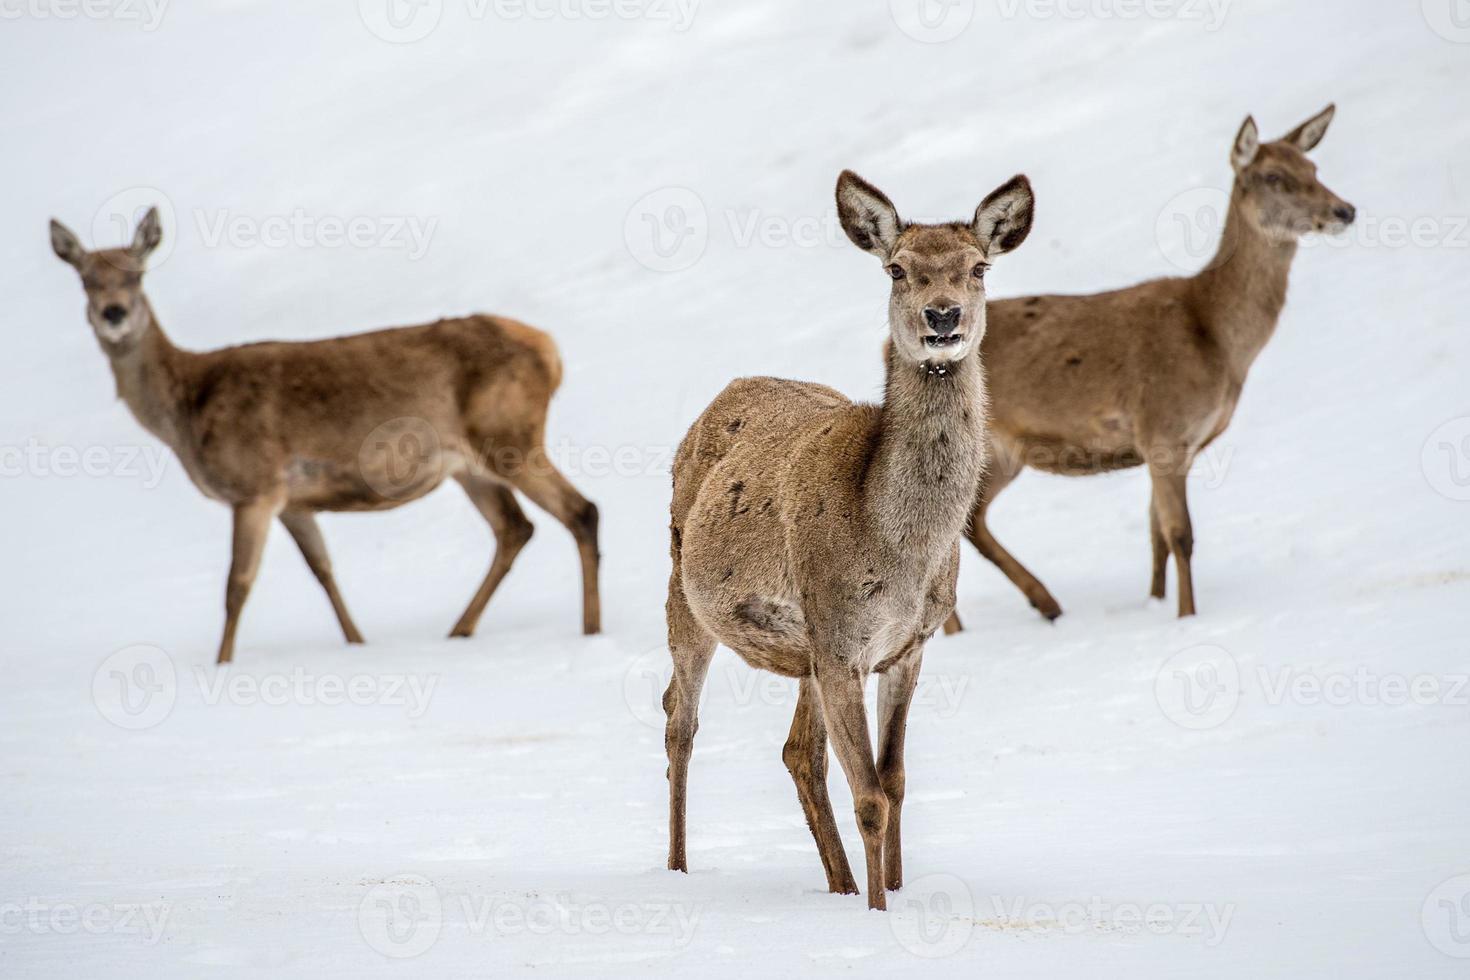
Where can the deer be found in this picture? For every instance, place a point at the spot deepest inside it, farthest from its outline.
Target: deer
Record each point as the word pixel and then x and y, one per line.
pixel 366 422
pixel 818 538
pixel 1150 375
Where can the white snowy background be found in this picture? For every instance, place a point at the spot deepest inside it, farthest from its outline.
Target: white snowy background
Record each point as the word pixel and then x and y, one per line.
pixel 1276 788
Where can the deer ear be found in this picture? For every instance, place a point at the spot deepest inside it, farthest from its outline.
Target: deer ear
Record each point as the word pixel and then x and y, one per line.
pixel 1310 133
pixel 1247 143
pixel 1003 219
pixel 149 234
pixel 66 245
pixel 868 217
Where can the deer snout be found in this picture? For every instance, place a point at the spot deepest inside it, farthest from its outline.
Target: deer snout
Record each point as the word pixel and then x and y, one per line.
pixel 114 314
pixel 1345 213
pixel 943 319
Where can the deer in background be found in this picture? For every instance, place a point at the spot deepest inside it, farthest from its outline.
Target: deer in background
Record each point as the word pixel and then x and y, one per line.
pixel 1150 375
pixel 364 422
pixel 819 539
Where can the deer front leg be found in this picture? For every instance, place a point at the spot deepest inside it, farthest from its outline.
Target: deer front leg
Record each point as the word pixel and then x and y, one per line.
pixel 841 688
pixel 1157 588
pixel 691 648
pixel 805 756
pixel 252 524
pixel 308 537
pixel 895 694
pixel 1173 517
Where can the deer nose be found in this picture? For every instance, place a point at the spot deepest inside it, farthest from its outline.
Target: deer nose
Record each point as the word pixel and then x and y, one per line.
pixel 942 320
pixel 1345 213
pixel 114 314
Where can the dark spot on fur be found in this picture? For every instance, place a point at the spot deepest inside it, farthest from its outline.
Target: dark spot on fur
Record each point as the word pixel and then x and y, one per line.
pixel 768 616
pixel 729 574
pixel 736 509
pixel 734 425
pixel 676 536
pixel 1073 361
pixel 1031 314
pixel 827 430
pixel 767 505
pixel 869 588
pixel 1033 301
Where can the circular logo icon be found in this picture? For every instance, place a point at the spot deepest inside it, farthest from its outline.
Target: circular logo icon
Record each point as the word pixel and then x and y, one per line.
pixel 933 916
pixel 932 21
pixel 644 683
pixel 1450 19
pixel 116 222
pixel 667 230
pixel 1189 228
pixel 401 458
pixel 401 918
pixel 1198 688
pixel 1446 917
pixel 1446 459
pixel 401 21
pixel 136 687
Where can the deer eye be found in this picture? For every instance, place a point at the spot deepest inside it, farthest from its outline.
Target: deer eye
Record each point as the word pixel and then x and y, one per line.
pixel 1273 178
pixel 979 271
pixel 896 272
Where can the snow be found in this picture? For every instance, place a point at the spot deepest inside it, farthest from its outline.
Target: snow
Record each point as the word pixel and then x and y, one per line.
pixel 497 806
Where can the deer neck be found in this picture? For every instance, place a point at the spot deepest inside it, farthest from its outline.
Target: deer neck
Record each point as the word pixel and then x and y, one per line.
pixel 1241 292
pixel 148 373
pixel 930 453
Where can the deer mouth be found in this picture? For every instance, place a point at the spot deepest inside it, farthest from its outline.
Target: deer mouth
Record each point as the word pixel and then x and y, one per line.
pixel 943 341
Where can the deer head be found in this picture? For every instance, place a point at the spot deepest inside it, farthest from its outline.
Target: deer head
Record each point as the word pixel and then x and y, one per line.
pixel 113 281
pixel 936 310
pixel 1278 185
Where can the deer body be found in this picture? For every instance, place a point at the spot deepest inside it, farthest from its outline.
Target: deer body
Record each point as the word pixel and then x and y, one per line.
pixel 818 538
pixel 364 422
pixel 1151 374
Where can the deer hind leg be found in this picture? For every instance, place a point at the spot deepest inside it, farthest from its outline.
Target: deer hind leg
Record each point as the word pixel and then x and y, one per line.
pixel 497 504
pixel 692 648
pixel 1172 508
pixel 841 688
pixel 1157 587
pixel 979 534
pixel 895 694
pixel 308 537
pixel 805 756
pixel 252 522
pixel 552 492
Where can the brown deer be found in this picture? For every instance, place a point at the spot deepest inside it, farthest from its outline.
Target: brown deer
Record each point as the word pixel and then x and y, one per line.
pixel 819 539
pixel 365 422
pixel 1150 375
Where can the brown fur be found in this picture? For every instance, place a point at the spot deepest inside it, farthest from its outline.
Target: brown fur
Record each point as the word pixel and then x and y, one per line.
pixel 1149 375
pixel 364 422
pixel 818 539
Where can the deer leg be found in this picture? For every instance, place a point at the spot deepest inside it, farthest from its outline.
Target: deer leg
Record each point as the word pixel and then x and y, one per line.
pixel 805 756
pixel 252 524
pixel 895 694
pixel 308 537
pixel 497 504
pixel 1173 517
pixel 551 491
pixel 979 534
pixel 692 648
pixel 1157 588
pixel 841 688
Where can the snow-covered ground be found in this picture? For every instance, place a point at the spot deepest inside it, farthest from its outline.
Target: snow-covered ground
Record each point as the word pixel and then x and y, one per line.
pixel 1276 788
